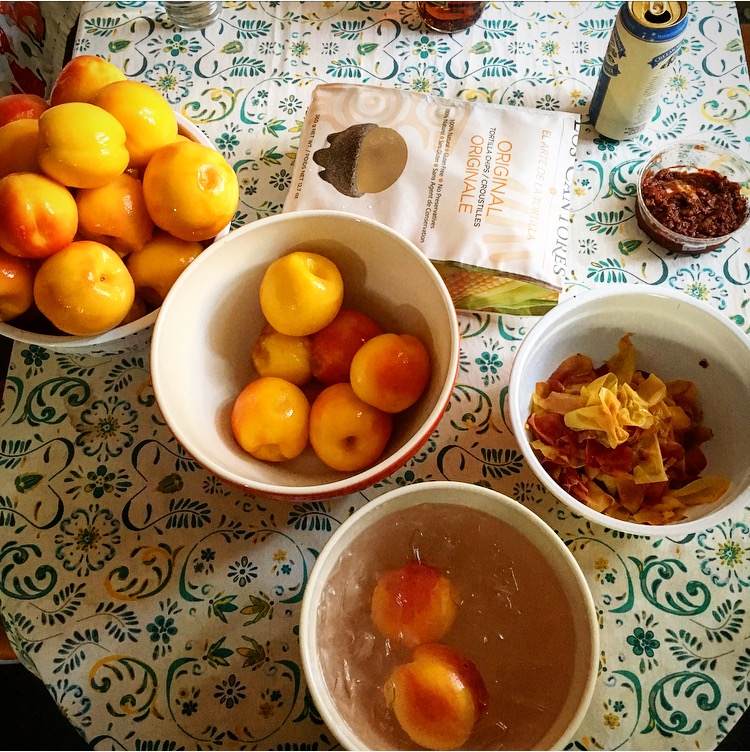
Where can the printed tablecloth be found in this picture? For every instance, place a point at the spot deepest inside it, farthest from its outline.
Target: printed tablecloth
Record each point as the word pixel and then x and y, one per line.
pixel 161 606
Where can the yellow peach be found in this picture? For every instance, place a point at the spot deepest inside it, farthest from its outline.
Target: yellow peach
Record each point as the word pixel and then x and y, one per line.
pixel 82 77
pixel 276 354
pixel 16 286
pixel 346 433
pixel 19 141
pixel 301 292
pixel 270 419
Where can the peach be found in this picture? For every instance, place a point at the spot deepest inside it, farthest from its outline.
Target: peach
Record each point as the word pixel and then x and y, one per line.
pixel 16 286
pixel 437 697
pixel 39 215
pixel 333 347
pixel 21 107
pixel 19 140
pixel 84 288
pixel 82 77
pixel 391 371
pixel 115 214
pixel 414 604
pixel 156 266
pixel 270 419
pixel 301 292
pixel 346 433
pixel 144 113
pixel 276 354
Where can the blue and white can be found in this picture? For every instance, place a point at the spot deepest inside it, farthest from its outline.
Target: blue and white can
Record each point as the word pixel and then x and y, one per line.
pixel 644 41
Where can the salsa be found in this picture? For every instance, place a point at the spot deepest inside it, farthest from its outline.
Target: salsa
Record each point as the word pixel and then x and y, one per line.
pixel 699 204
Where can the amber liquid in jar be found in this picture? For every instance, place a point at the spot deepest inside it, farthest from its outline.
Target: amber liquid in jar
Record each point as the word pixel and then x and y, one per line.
pixel 514 622
pixel 450 16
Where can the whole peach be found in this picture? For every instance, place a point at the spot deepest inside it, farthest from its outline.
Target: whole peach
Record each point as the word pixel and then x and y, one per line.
pixel 21 107
pixel 84 288
pixel 346 433
pixel 39 215
pixel 391 371
pixel 16 286
pixel 277 354
pixel 19 141
pixel 414 604
pixel 437 697
pixel 270 419
pixel 301 292
pixel 333 347
pixel 82 77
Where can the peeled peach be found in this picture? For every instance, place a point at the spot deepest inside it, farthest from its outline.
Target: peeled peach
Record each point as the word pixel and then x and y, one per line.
pixel 277 354
pixel 301 292
pixel 82 77
pixel 19 140
pixel 20 107
pixel 414 604
pixel 346 433
pixel 391 371
pixel 333 347
pixel 437 697
pixel 115 214
pixel 39 215
pixel 270 419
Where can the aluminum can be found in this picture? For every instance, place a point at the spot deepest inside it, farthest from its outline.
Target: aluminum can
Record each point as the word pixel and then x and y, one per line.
pixel 644 41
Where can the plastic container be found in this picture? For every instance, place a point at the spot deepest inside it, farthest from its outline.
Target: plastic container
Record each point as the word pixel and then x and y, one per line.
pixel 691 157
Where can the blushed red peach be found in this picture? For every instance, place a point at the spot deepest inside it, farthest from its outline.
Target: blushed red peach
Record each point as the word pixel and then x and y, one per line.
pixel 82 77
pixel 21 107
pixel 391 371
pixel 438 697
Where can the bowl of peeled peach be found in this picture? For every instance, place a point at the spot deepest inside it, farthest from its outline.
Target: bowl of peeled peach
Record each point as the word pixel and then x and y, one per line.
pixel 305 355
pixel 107 195
pixel 407 643
pixel 630 404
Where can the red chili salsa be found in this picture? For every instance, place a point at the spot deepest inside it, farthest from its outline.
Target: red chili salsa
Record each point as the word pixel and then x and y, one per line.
pixel 698 204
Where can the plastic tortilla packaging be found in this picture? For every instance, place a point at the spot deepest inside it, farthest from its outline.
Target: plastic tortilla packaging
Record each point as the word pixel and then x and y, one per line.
pixel 482 189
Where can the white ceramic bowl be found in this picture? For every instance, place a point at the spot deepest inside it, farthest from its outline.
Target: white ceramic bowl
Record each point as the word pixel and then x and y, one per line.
pixel 691 156
pixel 676 337
pixel 132 336
pixel 200 352
pixel 335 623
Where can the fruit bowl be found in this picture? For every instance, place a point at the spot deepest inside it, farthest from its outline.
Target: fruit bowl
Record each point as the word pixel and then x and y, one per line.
pixel 676 337
pixel 525 619
pixel 203 336
pixel 126 337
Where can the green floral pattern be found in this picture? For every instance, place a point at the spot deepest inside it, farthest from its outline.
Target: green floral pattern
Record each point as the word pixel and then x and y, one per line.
pixel 160 606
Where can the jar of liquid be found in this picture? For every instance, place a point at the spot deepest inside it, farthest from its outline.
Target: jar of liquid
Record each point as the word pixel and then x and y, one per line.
pixel 448 17
pixel 196 15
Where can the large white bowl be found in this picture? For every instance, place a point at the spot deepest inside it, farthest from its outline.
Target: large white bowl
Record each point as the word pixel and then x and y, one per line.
pixel 200 351
pixel 132 336
pixel 325 656
pixel 676 337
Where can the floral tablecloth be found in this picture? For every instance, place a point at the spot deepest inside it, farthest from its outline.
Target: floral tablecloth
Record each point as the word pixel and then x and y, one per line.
pixel 160 606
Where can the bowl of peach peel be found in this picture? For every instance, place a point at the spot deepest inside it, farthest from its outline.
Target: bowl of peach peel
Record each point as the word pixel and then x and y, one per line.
pixel 107 196
pixel 305 355
pixel 632 406
pixel 407 644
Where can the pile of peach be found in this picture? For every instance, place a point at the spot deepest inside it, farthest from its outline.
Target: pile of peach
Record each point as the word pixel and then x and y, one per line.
pixel 328 376
pixel 104 201
pixel 439 695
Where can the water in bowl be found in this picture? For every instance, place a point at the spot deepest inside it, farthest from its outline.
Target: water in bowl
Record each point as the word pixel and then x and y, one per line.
pixel 514 622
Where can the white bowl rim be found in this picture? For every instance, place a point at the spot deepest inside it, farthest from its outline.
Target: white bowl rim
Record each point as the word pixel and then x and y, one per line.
pixel 379 508
pixel 538 330
pixel 350 483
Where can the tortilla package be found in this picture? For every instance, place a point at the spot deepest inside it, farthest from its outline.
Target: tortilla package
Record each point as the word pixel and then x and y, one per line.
pixel 482 189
